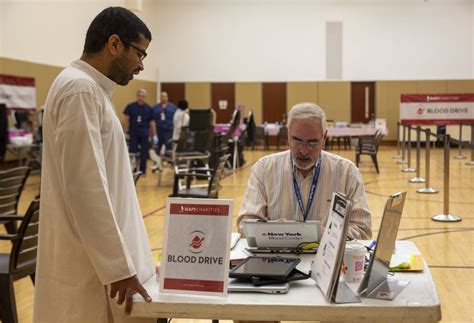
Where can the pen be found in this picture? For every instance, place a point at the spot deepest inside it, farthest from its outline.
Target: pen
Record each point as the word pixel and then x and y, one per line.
pixel 372 245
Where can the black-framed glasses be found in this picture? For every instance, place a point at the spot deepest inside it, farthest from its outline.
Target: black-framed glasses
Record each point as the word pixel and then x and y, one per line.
pixel 143 54
pixel 311 144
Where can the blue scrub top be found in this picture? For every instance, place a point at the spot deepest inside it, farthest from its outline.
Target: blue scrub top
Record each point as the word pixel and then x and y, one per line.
pixel 165 121
pixel 140 117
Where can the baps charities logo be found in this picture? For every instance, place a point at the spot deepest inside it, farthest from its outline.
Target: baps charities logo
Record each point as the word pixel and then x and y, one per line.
pixel 420 110
pixel 197 241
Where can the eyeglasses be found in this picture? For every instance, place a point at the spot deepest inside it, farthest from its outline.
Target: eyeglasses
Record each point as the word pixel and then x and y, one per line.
pixel 142 55
pixel 311 144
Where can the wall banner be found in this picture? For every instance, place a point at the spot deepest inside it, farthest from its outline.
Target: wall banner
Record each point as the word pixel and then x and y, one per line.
pixel 17 92
pixel 437 108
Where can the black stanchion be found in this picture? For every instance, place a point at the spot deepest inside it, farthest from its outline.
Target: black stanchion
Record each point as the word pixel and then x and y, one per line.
pixel 427 189
pixel 417 178
pixel 446 216
pixel 398 156
pixel 471 162
pixel 409 169
pixel 459 155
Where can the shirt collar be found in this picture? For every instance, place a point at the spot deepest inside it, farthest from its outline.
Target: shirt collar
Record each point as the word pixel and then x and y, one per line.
pixel 107 84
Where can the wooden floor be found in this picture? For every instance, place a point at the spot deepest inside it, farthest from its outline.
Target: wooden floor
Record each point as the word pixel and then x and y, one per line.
pixel 447 247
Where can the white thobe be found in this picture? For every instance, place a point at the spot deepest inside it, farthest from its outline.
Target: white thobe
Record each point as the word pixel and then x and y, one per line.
pixel 91 228
pixel 270 194
pixel 180 119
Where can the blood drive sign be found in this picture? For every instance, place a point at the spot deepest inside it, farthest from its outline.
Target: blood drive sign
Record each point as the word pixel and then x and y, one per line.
pixel 437 108
pixel 17 92
pixel 196 246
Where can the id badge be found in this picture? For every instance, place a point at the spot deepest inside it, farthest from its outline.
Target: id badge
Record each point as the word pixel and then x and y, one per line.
pixel 162 116
pixel 139 120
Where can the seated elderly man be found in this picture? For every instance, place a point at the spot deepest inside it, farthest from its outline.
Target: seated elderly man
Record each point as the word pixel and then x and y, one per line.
pixel 297 184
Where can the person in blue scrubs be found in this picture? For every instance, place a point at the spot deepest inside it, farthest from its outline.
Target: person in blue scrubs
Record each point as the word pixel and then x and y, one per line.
pixel 163 114
pixel 139 116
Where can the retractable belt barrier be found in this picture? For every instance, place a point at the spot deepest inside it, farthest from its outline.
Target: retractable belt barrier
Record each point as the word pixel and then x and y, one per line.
pixel 447 140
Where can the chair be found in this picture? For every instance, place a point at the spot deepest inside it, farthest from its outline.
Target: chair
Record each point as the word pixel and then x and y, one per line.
pixel 21 261
pixel 369 145
pixel 194 143
pixel 136 176
pixel 260 136
pixel 12 182
pixel 282 138
pixel 211 190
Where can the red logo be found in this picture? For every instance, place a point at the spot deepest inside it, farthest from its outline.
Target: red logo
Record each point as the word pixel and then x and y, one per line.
pixel 198 241
pixel 420 110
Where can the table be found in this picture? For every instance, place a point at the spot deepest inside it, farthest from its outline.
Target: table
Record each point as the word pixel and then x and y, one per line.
pixel 354 132
pixel 418 302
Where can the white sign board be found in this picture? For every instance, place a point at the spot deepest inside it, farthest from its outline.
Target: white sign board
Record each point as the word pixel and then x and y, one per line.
pixel 327 264
pixel 196 246
pixel 436 108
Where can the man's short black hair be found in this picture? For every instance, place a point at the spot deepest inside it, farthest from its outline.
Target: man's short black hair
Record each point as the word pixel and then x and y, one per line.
pixel 183 104
pixel 114 20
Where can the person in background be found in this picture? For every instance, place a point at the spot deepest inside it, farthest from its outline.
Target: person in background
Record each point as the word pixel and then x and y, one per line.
pixel 180 119
pixel 163 114
pixel 297 184
pixel 93 246
pixel 139 117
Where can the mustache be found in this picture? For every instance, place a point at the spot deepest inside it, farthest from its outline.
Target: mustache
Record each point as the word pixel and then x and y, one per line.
pixel 301 156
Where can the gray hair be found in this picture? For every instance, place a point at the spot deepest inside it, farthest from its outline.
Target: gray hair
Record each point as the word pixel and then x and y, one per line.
pixel 307 110
pixel 142 92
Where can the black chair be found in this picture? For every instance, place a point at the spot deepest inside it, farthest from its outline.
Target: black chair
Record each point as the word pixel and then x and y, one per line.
pixel 21 261
pixel 136 177
pixel 12 182
pixel 260 136
pixel 211 190
pixel 369 145
pixel 282 138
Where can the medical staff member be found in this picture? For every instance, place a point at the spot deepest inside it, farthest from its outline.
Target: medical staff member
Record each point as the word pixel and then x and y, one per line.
pixel 163 114
pixel 139 116
pixel 93 246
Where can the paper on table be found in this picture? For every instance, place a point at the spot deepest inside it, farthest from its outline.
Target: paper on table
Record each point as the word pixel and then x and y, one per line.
pixel 406 263
pixel 234 238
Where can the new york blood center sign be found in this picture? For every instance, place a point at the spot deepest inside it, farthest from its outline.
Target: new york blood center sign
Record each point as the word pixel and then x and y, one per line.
pixel 436 108
pixel 196 246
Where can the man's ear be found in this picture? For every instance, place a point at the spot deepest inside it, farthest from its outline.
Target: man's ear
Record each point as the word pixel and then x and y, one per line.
pixel 114 45
pixel 324 138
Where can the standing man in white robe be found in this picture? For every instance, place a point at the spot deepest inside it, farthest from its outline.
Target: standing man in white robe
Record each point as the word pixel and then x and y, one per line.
pixel 92 242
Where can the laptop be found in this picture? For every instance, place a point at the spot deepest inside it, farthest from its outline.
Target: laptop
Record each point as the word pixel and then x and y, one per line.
pixel 280 236
pixel 375 283
pixel 246 286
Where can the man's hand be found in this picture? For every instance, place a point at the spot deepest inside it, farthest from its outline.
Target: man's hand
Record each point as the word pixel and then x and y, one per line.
pixel 125 289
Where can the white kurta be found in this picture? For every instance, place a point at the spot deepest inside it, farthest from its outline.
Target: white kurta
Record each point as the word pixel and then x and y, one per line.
pixel 91 228
pixel 270 193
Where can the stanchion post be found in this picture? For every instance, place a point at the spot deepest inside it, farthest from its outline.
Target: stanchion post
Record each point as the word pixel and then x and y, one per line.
pixel 445 216
pixel 460 156
pixel 471 162
pixel 409 169
pixel 417 178
pixel 427 189
pixel 398 142
pixel 403 161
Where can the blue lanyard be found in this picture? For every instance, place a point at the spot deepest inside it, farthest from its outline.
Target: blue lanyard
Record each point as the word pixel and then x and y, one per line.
pixel 312 190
